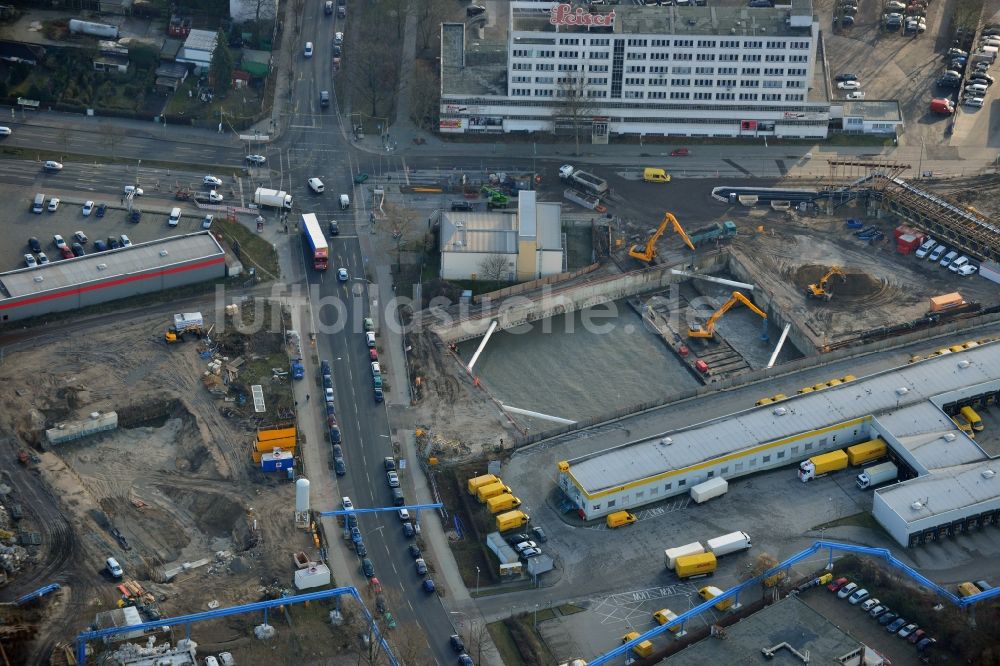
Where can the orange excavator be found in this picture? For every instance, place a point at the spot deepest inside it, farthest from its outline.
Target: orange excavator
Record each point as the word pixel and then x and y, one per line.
pixel 821 290
pixel 708 331
pixel 647 252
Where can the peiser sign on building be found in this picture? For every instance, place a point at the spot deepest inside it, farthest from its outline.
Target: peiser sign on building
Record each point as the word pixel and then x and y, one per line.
pixel 565 15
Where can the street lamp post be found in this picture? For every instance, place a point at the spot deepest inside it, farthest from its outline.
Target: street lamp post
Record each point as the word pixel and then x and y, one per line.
pixel 477 581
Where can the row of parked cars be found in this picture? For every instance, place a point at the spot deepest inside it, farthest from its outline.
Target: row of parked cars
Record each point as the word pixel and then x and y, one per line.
pixel 911 17
pixel 36 257
pixel 947 258
pixel 979 79
pixel 893 623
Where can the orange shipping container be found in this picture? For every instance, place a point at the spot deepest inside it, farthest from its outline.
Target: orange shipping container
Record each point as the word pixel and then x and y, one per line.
pixel 277 433
pixel 265 446
pixel 946 301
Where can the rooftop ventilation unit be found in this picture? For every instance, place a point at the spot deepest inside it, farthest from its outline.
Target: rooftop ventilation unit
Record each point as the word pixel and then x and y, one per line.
pixel 988 474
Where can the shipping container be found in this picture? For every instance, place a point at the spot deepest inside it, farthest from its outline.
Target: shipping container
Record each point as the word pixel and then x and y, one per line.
pixel 511 520
pixel 710 592
pixel 271 444
pixel 728 543
pixel 691 566
pixel 504 502
pixel 275 433
pixel 670 555
pixel 709 489
pixel 67 432
pixel 946 301
pixel 483 493
pixel 873 449
pixel 483 480
pixel 274 462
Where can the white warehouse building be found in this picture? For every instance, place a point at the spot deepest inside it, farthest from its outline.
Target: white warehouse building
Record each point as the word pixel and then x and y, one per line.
pixel 510 246
pixel 722 70
pixel 949 484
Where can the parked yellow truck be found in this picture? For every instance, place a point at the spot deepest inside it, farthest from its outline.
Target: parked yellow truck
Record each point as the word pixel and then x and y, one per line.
pixel 865 452
pixel 504 502
pixel 484 480
pixel 710 592
pixel 690 566
pixel 973 418
pixel 643 649
pixel 491 490
pixel 822 464
pixel 665 615
pixel 512 520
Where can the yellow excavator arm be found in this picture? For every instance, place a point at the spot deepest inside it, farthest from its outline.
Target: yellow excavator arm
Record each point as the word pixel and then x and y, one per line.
pixel 819 290
pixel 647 252
pixel 709 329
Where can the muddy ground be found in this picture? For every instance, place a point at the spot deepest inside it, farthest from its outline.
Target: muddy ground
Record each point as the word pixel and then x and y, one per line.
pixel 176 479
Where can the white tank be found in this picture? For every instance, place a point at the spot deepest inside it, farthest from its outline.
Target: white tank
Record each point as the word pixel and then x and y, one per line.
pixel 302 495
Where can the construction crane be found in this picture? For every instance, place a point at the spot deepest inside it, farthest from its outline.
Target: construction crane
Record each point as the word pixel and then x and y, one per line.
pixel 709 329
pixel 648 252
pixel 819 289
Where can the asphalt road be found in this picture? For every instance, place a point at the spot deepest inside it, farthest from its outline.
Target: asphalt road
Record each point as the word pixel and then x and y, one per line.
pixel 322 151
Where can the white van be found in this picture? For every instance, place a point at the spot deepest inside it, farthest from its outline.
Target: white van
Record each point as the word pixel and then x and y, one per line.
pixel 39 205
pixel 115 569
pixel 345 202
pixel 316 185
pixel 175 217
pixel 928 245
pixel 370 339
pixel 977 88
pixel 948 258
pixel 958 263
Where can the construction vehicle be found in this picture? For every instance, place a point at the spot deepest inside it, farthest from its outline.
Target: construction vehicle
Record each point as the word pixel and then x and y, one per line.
pixel 495 198
pixel 647 252
pixel 186 322
pixel 714 231
pixel 821 289
pixel 708 331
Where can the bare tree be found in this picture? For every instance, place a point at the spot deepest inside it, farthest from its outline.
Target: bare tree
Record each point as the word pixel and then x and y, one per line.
pixel 575 107
pixel 375 63
pixel 494 267
pixel 394 12
pixel 430 15
pixel 476 634
pixel 425 97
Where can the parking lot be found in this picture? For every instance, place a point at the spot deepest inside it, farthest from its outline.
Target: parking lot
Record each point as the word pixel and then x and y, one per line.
pixel 21 223
pixel 894 65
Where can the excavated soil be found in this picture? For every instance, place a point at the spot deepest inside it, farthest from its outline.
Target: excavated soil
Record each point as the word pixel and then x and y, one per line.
pixel 853 284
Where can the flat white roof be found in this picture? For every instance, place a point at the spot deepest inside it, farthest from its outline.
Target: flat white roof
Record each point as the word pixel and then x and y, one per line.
pixel 921 429
pixel 943 491
pixel 123 261
pixel 876 395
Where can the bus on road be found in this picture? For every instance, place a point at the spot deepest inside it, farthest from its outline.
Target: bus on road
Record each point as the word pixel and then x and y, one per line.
pixel 316 241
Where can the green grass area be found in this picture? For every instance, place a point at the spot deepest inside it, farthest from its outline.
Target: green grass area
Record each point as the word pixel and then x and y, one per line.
pixel 238 106
pixel 570 609
pixel 253 250
pixel 505 644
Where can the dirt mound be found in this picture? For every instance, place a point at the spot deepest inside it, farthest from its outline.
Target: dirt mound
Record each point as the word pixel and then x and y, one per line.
pixel 853 284
pixel 214 514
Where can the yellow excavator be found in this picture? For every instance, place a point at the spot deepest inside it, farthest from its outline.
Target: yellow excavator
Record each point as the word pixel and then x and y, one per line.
pixel 820 289
pixel 708 331
pixel 647 252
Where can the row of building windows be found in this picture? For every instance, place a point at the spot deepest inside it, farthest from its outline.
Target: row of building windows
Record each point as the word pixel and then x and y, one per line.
pixel 746 71
pixel 737 467
pixel 662 94
pixel 662 55
pixel 720 44
pixel 544 108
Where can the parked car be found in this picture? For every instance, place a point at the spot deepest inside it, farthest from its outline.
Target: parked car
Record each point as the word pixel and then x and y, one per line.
pixel 421 566
pixel 53 204
pixel 342 275
pixel 393 479
pixel 367 567
pixel 211 181
pixel 404 515
pixel 524 545
pixel 878 610
pixel 414 550
pixel 465 660
pixel 428 586
pixel 29 261
pixel 870 604
pixel 80 237
pixel 456 643
pixel 361 549
pixel 389 463
pixel 849 85
pixel 408 530
pixel 113 243
pixel 837 584
pixel 328 395
pixel 308 50
pixel 34 245
pixel 680 152
pixel 858 597
pixel 339 466
pixel 58 241
pixel 847 77
pixel 133 190
pixel 540 534
pixel 333 229
pixel 100 246
pixel 916 636
pixel 88 208
pixel 895 625
pixel 846 590
pixel 855 94
pixel 530 552
pixel 886 618
pixel 356 535
pixel 907 630
pixel 968 270
pixel 42 259
pixel 256 159
pixel 925 644
pixel 77 250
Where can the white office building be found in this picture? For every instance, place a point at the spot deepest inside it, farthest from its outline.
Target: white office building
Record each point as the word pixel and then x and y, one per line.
pixel 728 70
